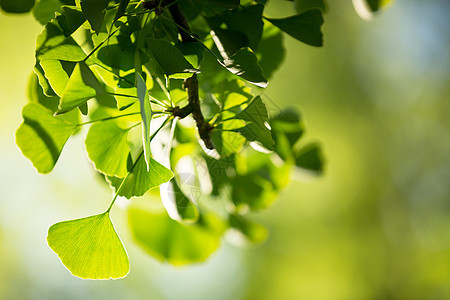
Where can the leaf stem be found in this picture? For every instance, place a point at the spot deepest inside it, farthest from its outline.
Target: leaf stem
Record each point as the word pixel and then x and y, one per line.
pixel 134 164
pixel 107 119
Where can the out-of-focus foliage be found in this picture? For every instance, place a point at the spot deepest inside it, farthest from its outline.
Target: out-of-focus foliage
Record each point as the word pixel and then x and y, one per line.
pixel 375 226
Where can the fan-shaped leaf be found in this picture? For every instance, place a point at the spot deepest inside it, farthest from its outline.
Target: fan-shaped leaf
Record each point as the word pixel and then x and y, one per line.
pixel 90 247
pixel 304 27
pixel 107 148
pixel 81 86
pixel 172 241
pixel 41 136
pixel 140 180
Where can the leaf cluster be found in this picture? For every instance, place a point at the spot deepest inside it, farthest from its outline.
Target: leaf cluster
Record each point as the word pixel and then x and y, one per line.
pixel 172 93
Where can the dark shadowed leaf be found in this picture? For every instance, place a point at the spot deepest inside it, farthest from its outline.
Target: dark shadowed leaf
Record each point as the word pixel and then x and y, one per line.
pixel 169 57
pixel 17 6
pixel 304 27
pixel 45 10
pixel 245 65
pixel 94 11
pixel 310 158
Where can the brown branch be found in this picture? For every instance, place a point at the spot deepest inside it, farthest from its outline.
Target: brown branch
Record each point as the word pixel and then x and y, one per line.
pixel 191 84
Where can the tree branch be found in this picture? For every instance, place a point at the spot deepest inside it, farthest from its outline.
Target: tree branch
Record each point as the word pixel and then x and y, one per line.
pixel 191 84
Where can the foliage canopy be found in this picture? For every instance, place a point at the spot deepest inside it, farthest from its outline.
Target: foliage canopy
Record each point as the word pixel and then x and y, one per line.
pixel 133 72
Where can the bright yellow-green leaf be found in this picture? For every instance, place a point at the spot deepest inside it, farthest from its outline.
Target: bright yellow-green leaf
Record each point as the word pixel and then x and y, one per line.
pixel 146 114
pixel 81 87
pixel 42 136
pixel 56 73
pixel 52 44
pixel 107 148
pixel 140 180
pixel 177 243
pixel 90 247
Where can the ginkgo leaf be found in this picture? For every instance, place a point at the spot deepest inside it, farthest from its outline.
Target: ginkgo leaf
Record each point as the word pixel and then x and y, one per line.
pixel 89 247
pixel 256 117
pixel 304 27
pixel 310 158
pixel 52 44
pixel 146 114
pixel 253 232
pixel 169 57
pixel 107 147
pixel 57 73
pixel 140 180
pixel 42 136
pixel 81 86
pixel 244 64
pixel 177 243
pixel 94 11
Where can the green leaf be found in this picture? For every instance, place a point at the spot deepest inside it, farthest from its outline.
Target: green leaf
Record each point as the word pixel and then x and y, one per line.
pixel 254 232
pixel 252 191
pixel 41 136
pixel 139 181
pixel 52 44
pixel 45 10
pixel 43 82
pixel 245 65
pixel 192 51
pixel 107 147
pixel 146 114
pixel 287 128
pixel 36 94
pixel 57 73
pixel 257 120
pixel 81 87
pixel 90 247
pixel 169 57
pixel 171 241
pixel 70 19
pixel 226 138
pixel 122 8
pixel 304 27
pixel 271 51
pixel 119 53
pixel 94 11
pixel 17 6
pixel 304 5
pixel 310 158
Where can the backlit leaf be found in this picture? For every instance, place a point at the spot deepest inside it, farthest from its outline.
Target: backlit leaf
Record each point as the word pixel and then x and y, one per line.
pixel 146 114
pixel 52 44
pixel 81 87
pixel 107 147
pixel 41 136
pixel 171 241
pixel 90 247
pixel 139 181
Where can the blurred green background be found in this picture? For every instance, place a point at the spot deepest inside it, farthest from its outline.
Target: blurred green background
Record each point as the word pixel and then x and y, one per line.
pixel 375 226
